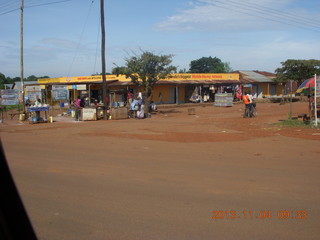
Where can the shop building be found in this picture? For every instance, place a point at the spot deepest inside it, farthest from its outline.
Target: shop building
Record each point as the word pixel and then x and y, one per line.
pixel 176 88
pixel 261 84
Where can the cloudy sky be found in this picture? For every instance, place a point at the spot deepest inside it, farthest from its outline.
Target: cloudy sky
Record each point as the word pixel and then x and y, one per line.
pixel 62 37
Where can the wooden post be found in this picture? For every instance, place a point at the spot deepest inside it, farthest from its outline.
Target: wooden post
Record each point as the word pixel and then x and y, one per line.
pixel 21 54
pixel 103 60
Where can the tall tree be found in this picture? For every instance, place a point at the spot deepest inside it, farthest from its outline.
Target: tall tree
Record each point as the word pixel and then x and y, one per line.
pixel 145 70
pixel 2 78
pixel 31 78
pixel 209 65
pixel 297 70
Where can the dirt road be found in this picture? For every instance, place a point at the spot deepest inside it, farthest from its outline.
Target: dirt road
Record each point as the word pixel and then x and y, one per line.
pixel 212 175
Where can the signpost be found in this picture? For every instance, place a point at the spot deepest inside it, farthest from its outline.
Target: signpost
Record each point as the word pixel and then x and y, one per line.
pixel 9 97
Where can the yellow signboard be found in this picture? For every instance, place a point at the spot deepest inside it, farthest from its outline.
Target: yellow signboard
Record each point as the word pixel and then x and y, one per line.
pixel 96 78
pixel 122 78
pixel 203 76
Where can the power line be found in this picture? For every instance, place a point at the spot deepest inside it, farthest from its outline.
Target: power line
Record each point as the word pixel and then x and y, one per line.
pixel 277 13
pixel 9 6
pixel 96 55
pixel 276 19
pixel 80 39
pixel 303 19
pixel 3 13
pixel 44 4
pixel 14 5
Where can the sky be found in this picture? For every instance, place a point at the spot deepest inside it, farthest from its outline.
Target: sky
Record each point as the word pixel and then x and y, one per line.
pixel 63 37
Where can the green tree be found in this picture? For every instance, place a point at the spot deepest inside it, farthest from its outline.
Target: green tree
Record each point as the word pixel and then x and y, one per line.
pixel 209 65
pixel 43 77
pixel 297 70
pixel 2 78
pixel 145 70
pixel 5 80
pixel 32 78
pixel 183 70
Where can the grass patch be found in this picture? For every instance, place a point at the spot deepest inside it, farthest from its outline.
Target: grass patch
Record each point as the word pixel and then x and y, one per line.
pixel 294 123
pixel 11 107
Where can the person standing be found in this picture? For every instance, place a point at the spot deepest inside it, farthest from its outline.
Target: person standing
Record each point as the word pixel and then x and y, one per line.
pixel 140 112
pixel 130 97
pixel 77 104
pixel 246 100
pixel 251 101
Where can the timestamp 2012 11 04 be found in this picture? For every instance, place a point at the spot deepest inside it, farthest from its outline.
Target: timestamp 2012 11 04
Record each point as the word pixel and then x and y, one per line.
pixel 263 214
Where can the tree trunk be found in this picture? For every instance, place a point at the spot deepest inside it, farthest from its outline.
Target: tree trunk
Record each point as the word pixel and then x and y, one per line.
pixel 147 96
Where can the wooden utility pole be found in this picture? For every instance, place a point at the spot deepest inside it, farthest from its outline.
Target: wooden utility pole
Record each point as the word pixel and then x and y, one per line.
pixel 21 54
pixel 103 60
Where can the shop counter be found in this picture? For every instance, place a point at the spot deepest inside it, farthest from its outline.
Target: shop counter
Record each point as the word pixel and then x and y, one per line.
pixel 37 111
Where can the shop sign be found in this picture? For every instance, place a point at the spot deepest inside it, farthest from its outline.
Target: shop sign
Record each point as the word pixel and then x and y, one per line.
pixel 33 92
pixel 247 85
pixel 203 76
pixel 33 88
pixel 60 92
pixel 9 97
pixel 82 87
pixel 33 95
pixel 59 87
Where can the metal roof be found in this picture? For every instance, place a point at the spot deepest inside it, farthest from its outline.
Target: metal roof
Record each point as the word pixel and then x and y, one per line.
pixel 255 76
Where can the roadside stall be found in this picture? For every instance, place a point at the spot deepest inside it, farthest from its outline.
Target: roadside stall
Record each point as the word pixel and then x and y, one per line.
pixel 88 114
pixel 224 100
pixel 35 114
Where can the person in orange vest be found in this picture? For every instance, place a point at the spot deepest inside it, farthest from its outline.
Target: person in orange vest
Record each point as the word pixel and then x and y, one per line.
pixel 247 102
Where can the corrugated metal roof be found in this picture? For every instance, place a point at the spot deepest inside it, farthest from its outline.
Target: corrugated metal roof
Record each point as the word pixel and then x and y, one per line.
pixel 252 76
pixel 25 83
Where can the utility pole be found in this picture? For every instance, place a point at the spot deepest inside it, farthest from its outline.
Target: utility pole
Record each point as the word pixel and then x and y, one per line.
pixel 21 54
pixel 103 60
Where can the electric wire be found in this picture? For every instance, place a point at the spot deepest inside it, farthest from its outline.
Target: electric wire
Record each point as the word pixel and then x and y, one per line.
pixel 273 12
pixel 15 5
pixel 304 19
pixel 279 20
pixel 80 40
pixel 8 4
pixel 44 4
pixel 9 7
pixel 15 9
pixel 97 47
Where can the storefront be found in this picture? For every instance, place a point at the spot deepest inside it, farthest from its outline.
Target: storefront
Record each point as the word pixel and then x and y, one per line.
pixel 175 89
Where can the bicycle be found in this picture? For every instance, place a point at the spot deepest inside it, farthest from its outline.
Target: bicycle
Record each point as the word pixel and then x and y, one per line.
pixel 250 111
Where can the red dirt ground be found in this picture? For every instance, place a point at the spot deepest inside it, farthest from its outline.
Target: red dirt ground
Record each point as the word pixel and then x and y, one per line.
pixel 164 177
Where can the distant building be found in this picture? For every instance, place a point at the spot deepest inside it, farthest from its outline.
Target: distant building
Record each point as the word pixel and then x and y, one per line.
pixel 261 84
